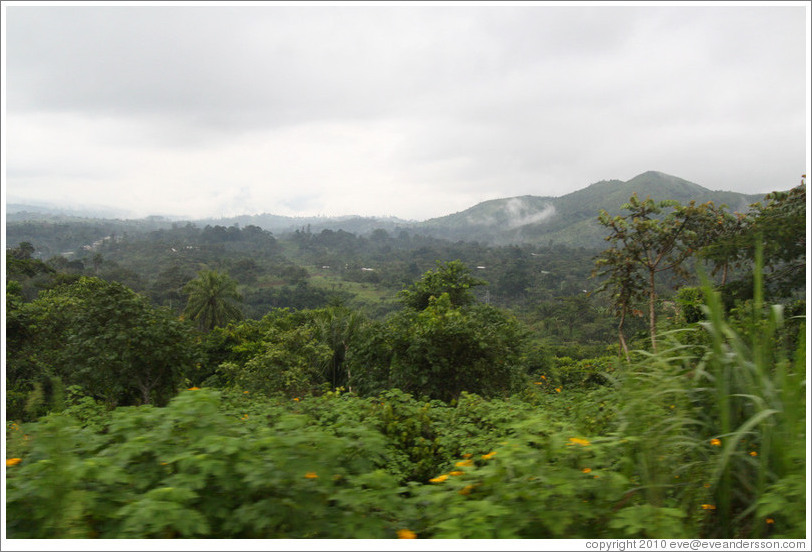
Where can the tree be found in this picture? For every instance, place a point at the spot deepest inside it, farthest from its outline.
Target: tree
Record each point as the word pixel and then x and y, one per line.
pixel 653 238
pixel 779 223
pixel 281 353
pixel 624 285
pixel 105 338
pixel 454 278
pixel 290 360
pixel 167 289
pixel 443 350
pixel 23 251
pixel 725 250
pixel 442 343
pixel 338 327
pixel 212 300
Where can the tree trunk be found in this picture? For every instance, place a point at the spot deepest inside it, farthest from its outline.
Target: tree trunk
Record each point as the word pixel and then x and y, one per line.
pixel 146 388
pixel 652 321
pixel 621 337
pixel 145 394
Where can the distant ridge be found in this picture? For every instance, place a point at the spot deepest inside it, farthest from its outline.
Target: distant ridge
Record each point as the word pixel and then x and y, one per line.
pixel 570 219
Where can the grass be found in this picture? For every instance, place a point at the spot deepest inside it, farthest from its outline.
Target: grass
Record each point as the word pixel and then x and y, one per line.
pixel 728 413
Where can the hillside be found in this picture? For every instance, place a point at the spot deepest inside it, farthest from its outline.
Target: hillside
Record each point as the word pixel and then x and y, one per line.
pixel 567 220
pixel 570 219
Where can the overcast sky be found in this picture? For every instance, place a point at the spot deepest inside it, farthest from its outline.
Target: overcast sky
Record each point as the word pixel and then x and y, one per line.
pixel 394 109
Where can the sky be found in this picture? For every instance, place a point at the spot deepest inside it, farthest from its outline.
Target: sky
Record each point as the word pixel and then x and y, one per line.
pixel 412 110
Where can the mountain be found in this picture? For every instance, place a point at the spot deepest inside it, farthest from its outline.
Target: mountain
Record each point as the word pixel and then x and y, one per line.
pixel 570 219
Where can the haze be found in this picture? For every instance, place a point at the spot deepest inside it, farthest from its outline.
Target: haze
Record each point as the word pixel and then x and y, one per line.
pixel 392 109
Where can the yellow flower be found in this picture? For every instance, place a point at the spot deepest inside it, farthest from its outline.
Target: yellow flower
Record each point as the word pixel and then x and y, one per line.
pixel 439 478
pixel 467 455
pixel 558 390
pixel 406 534
pixel 246 392
pixel 194 389
pixel 538 382
pixel 706 485
pixel 586 470
pixel 488 456
pixel 464 463
pixel 296 399
pixel 578 441
pixel 716 442
pixel 544 377
pixel 13 461
pixel 708 507
pixel 311 475
pixel 770 521
pixel 753 453
pixel 466 490
pixel 456 472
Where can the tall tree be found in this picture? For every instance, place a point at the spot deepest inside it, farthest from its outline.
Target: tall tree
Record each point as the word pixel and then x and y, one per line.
pixel 652 238
pixel 453 278
pixel 779 223
pixel 212 301
pixel 103 337
pixel 337 327
pixel 624 285
pixel 444 350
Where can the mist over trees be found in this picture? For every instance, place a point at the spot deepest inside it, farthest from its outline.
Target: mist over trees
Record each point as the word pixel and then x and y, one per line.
pixel 393 383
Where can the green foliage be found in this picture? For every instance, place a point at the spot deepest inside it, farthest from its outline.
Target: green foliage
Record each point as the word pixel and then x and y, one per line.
pixel 199 469
pixel 581 374
pixel 545 481
pixel 412 434
pixel 338 328
pixel 442 351
pixel 443 420
pixel 103 337
pixel 453 279
pixel 779 224
pixel 212 300
pixel 715 427
pixel 282 353
pixel 646 520
pixel 691 302
pixel 653 237
pixel 290 361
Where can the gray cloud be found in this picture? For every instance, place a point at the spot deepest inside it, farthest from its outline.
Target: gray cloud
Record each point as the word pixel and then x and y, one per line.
pixel 396 110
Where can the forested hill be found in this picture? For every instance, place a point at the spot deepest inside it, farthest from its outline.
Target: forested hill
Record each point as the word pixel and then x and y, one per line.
pixel 566 220
pixel 571 219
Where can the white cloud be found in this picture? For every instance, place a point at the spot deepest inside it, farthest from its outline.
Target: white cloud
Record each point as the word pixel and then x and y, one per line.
pixel 395 110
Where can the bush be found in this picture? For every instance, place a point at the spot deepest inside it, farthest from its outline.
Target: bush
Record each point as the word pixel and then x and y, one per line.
pixel 442 351
pixel 197 469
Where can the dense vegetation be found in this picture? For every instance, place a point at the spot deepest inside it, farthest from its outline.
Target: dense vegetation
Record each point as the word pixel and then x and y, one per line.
pixel 229 383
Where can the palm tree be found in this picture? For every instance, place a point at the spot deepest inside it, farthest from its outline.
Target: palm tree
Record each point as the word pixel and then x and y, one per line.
pixel 337 326
pixel 212 298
